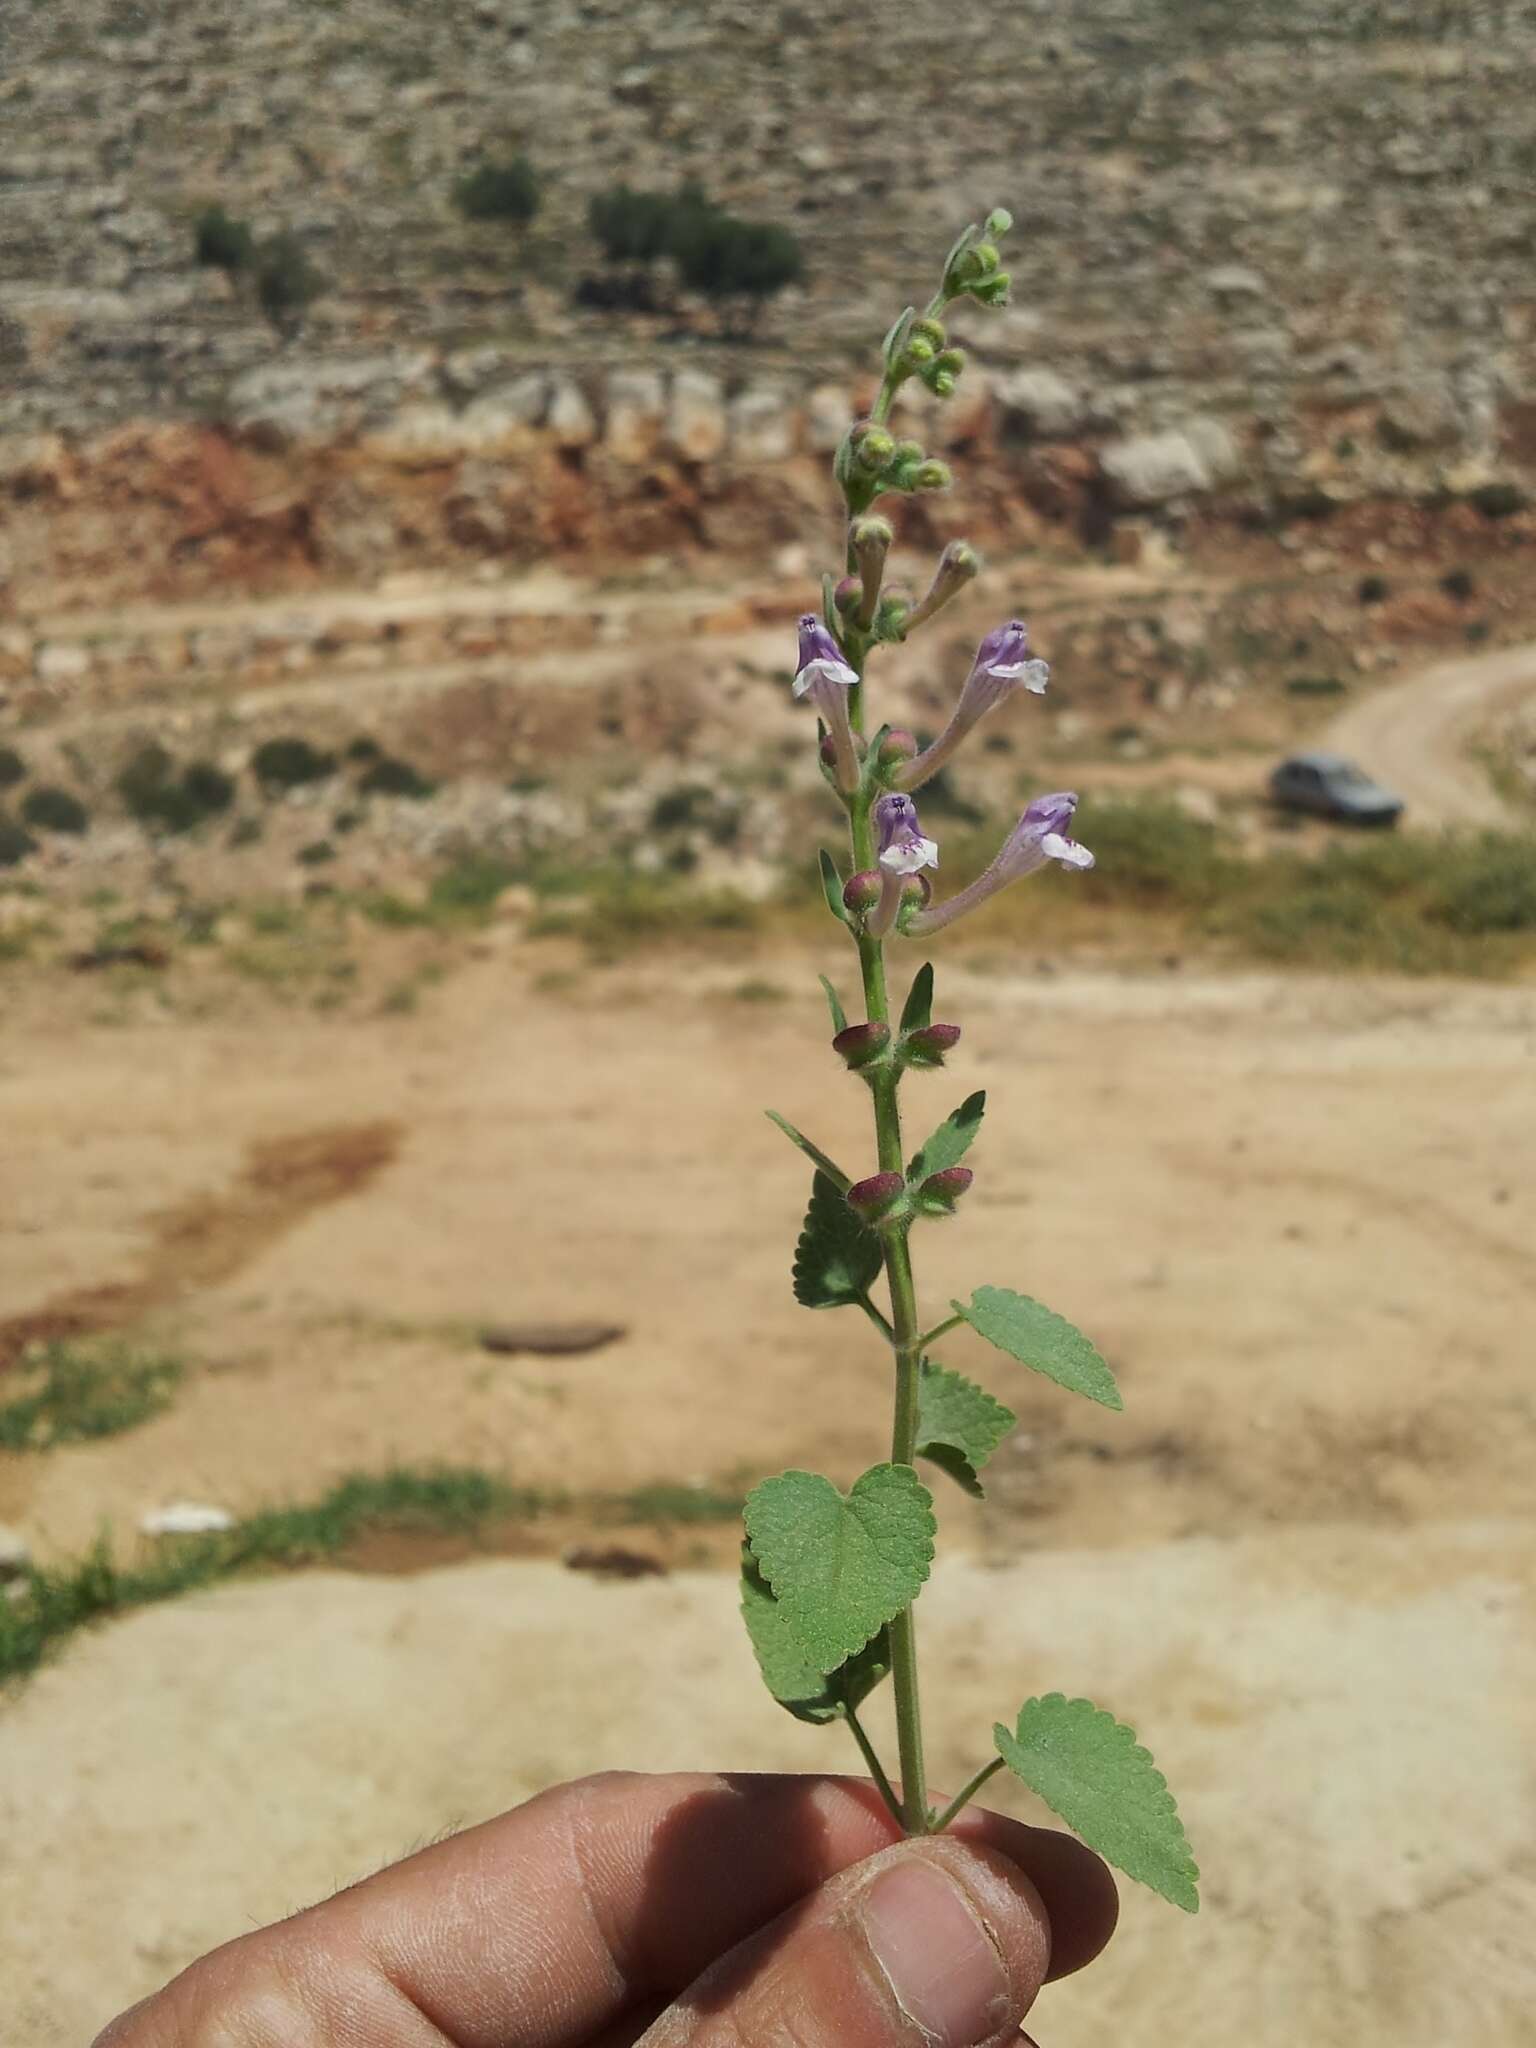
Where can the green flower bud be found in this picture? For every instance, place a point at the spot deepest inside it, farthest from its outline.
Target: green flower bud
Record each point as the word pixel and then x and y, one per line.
pixel 862 1044
pixel 942 383
pixel 919 350
pixel 952 359
pixel 872 449
pixel 993 291
pixel 932 476
pixel 997 223
pixel 986 256
pixel 890 624
pixel 930 330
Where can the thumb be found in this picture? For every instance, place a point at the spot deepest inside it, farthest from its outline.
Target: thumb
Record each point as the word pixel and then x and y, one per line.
pixel 934 1943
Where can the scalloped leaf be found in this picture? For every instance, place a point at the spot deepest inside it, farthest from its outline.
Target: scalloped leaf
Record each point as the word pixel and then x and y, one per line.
pixel 917 1011
pixel 841 1566
pixel 837 1257
pixel 1039 1338
pixel 951 1141
pixel 959 1425
pixel 789 1675
pixel 1089 1768
pixel 813 1152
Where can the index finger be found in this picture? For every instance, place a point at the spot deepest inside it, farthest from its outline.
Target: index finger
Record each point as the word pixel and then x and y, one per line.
pixel 537 1929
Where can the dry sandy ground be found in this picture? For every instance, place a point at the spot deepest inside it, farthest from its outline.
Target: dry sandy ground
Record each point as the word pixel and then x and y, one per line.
pixel 1296 1215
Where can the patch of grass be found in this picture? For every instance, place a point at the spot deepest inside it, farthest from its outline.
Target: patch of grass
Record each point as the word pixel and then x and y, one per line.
pixel 470 884
pixel 57 1601
pixel 51 809
pixel 288 762
pixel 387 775
pixel 665 1503
pixel 621 909
pixel 12 768
pixel 74 1391
pixel 16 842
pixel 755 990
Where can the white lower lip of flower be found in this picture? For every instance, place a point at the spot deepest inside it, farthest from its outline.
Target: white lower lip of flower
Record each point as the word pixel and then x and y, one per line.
pixel 910 860
pixel 1066 851
pixel 815 673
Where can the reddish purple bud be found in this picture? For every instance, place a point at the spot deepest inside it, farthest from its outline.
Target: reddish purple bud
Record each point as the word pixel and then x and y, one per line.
pixel 861 892
pixel 927 1047
pixel 861 1044
pixel 848 595
pixel 898 745
pixel 877 1196
pixel 940 1191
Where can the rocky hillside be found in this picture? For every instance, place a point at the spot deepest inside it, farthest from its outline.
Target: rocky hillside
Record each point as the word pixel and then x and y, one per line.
pixel 1276 255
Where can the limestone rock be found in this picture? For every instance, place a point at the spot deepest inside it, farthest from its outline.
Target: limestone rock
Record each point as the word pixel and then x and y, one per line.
pixel 637 403
pixel 1152 469
pixel 507 412
pixel 828 416
pixel 1037 405
pixel 762 422
pixel 696 417
pixel 570 419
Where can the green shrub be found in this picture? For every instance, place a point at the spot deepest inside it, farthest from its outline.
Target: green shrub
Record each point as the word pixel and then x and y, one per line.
pixel 471 883
pixel 507 192
pixel 287 282
pixel 54 810
pixel 1373 590
pixel 1315 686
pixel 725 258
pixel 12 768
pixel 1149 850
pixel 160 795
pixel 637 227
pixel 317 854
pixel 1499 501
pixel 1460 584
pixel 224 243
pixel 388 776
pixel 15 842
pixel 1488 885
pixel 363 749
pixel 286 762
pixel 208 788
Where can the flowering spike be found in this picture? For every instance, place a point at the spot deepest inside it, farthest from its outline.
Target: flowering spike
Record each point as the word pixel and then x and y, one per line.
pixel 1040 835
pixel 826 678
pixel 860 1045
pixel 1002 665
pixel 958 565
pixel 876 1198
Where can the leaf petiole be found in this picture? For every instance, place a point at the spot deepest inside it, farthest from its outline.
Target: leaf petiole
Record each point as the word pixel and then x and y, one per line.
pixel 939 1329
pixel 881 1323
pixel 876 1769
pixel 963 1799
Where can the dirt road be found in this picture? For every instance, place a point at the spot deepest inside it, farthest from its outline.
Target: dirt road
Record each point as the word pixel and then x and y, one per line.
pixel 1414 735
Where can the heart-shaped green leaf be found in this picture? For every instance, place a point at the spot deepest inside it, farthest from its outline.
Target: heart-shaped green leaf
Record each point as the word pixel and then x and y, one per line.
pixel 788 1673
pixel 841 1565
pixel 1039 1338
pixel 959 1425
pixel 1089 1768
pixel 837 1256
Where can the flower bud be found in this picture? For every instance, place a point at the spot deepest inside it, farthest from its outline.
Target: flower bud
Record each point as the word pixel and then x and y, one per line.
pixel 993 291
pixel 878 1198
pixel 869 542
pixel 927 1047
pixel 932 476
pixel 997 223
pixel 958 565
pixel 872 447
pixel 891 619
pixel 829 750
pixel 942 383
pixel 930 331
pixel 940 1191
pixel 952 359
pixel 919 350
pixel 898 745
pixel 862 1044
pixel 985 257
pixel 847 594
pixel 861 892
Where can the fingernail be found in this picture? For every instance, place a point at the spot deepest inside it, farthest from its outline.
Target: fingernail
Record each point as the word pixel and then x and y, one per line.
pixel 937 1956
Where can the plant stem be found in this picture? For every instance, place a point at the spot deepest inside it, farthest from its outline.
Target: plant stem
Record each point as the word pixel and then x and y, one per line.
pixel 964 1798
pixel 876 1769
pixel 876 1318
pixel 932 1336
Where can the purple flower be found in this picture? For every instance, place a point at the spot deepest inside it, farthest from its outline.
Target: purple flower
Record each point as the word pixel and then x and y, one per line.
pixel 826 678
pixel 902 851
pixel 1002 665
pixel 1041 835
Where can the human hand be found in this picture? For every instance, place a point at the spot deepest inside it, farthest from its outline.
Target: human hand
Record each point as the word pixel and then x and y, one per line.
pixel 689 1911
